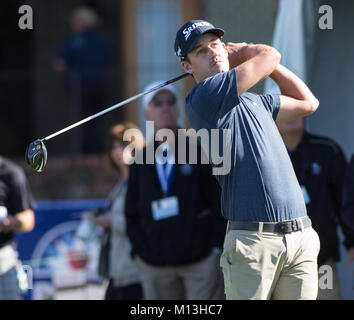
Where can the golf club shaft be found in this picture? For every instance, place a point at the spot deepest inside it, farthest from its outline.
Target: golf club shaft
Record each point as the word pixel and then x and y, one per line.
pixel 98 114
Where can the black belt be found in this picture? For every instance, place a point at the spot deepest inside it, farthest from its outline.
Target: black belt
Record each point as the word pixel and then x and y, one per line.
pixel 276 227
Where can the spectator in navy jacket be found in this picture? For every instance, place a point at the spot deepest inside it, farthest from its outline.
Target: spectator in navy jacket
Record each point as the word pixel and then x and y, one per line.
pixel 84 58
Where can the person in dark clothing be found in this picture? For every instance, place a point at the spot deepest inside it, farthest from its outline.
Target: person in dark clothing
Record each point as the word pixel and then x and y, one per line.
pixel 320 166
pixel 16 215
pixel 173 217
pixel 348 203
pixel 84 57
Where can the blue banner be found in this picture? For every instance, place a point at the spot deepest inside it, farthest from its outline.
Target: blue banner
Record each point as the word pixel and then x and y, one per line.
pixel 62 250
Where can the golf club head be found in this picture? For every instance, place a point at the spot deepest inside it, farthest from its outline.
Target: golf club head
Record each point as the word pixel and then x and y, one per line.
pixel 36 155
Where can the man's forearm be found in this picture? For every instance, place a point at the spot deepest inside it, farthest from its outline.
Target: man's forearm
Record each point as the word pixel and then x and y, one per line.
pixel 252 50
pixel 242 52
pixel 291 85
pixel 21 222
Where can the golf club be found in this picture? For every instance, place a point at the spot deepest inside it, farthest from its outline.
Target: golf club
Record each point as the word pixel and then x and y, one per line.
pixel 36 152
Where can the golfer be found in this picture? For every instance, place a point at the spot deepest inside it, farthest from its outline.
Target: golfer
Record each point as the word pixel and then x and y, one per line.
pixel 270 249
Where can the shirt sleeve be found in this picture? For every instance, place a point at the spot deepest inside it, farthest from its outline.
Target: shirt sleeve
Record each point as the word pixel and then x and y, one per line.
pixel 212 99
pixel 271 102
pixel 68 51
pixel 20 197
pixel 64 50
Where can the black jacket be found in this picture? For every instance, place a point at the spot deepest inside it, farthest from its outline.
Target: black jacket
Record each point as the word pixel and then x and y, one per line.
pixel 15 193
pixel 348 196
pixel 320 166
pixel 182 239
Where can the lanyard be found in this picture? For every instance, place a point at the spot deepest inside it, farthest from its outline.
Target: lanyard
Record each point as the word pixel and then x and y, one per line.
pixel 165 172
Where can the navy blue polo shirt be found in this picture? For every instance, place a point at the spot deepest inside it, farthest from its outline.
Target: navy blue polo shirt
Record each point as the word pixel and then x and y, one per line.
pixel 261 184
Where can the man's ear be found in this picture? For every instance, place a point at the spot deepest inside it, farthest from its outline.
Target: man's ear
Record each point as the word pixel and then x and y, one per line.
pixel 187 67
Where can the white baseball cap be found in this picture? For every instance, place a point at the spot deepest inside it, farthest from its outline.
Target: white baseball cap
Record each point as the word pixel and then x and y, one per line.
pixel 148 97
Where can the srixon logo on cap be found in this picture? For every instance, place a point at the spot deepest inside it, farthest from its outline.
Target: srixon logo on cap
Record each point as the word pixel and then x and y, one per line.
pixel 187 31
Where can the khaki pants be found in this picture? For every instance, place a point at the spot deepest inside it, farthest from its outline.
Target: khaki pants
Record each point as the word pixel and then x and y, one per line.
pixel 198 281
pixel 270 265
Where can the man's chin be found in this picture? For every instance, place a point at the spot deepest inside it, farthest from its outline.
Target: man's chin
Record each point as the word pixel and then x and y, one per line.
pixel 220 67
